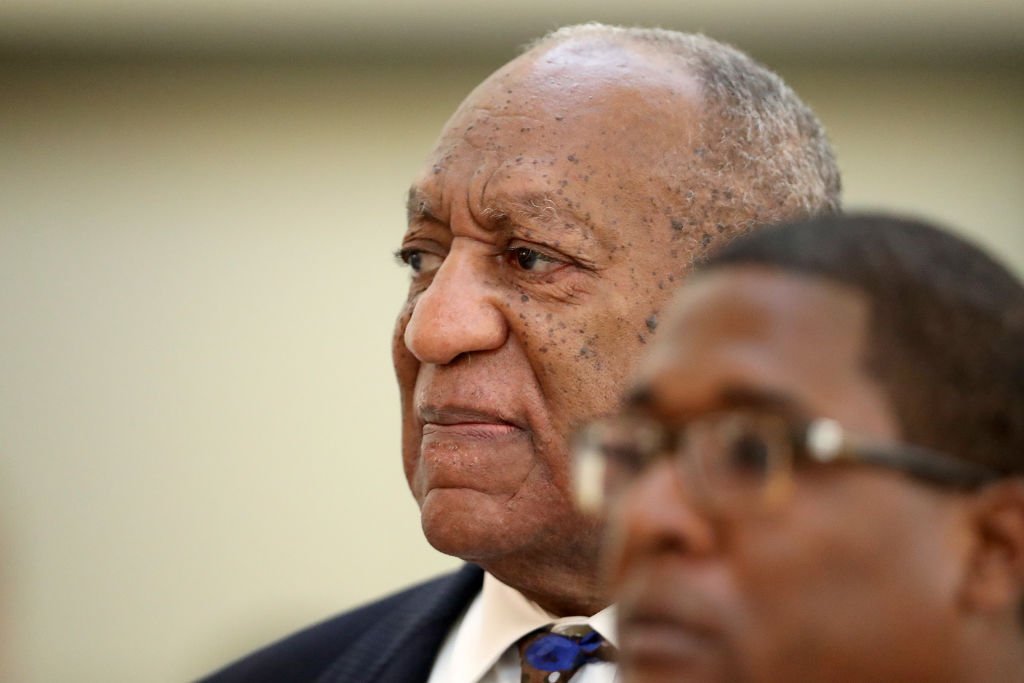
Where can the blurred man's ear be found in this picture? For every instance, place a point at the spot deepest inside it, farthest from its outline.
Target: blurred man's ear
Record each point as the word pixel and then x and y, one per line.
pixel 995 578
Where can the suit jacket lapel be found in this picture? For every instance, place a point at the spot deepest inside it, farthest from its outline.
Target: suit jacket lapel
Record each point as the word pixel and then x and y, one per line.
pixel 401 647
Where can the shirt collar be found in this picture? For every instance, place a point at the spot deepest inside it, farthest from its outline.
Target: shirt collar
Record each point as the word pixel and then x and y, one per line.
pixel 498 617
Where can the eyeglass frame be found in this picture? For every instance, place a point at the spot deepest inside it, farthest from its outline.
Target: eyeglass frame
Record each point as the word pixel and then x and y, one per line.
pixel 820 441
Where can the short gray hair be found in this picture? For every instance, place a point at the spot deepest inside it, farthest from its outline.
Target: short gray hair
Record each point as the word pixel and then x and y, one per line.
pixel 758 131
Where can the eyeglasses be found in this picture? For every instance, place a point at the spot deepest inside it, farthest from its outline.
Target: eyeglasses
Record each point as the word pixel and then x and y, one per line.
pixel 736 458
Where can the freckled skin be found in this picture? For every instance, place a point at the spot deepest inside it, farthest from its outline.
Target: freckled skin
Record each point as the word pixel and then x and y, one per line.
pixel 553 154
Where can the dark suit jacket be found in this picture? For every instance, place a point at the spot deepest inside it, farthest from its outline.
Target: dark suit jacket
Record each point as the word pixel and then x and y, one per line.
pixel 393 640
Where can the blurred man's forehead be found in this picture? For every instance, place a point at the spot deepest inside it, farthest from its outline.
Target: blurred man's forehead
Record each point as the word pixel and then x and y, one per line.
pixel 738 299
pixel 742 335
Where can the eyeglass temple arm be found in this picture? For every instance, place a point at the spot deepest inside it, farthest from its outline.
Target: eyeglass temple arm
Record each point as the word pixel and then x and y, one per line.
pixel 827 442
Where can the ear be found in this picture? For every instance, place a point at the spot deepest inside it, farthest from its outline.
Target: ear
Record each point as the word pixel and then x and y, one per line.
pixel 995 580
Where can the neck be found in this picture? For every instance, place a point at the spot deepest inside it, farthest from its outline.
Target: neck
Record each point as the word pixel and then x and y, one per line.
pixel 562 592
pixel 562 605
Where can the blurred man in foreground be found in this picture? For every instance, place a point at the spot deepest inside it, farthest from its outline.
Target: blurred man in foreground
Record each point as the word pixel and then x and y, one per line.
pixel 820 472
pixel 564 199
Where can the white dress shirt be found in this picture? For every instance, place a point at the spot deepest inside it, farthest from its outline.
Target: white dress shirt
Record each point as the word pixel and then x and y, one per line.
pixel 480 648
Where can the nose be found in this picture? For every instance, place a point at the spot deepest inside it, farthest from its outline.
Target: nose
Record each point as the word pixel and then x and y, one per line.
pixel 656 516
pixel 458 312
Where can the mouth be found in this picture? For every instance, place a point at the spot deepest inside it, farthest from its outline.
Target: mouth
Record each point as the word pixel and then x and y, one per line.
pixel 470 447
pixel 459 421
pixel 652 631
pixel 644 639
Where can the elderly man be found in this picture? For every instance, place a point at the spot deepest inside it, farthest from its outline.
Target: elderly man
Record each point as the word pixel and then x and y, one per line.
pixel 565 197
pixel 819 474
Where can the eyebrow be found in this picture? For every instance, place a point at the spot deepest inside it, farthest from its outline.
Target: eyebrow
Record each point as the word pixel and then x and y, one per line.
pixel 762 399
pixel 532 207
pixel 418 206
pixel 537 208
pixel 733 396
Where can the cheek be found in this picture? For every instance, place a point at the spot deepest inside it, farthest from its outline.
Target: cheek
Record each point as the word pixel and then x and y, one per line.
pixel 827 574
pixel 806 548
pixel 583 356
pixel 570 357
pixel 831 607
pixel 774 569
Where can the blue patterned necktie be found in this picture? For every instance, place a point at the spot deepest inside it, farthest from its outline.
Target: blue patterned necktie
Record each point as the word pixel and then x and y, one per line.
pixel 549 657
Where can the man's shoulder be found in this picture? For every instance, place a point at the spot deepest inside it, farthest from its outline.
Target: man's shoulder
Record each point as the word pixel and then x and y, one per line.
pixel 417 618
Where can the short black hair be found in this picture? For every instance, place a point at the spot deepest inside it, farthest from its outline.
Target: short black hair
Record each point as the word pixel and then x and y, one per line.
pixel 946 337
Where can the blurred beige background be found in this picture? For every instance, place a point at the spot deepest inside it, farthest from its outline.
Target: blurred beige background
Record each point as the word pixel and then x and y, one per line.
pixel 198 201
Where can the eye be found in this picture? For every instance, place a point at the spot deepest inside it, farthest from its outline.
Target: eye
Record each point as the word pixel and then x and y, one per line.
pixel 627 457
pixel 421 262
pixel 531 260
pixel 748 454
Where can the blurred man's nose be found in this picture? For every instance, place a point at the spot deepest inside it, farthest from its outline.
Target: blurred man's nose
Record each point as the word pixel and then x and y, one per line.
pixel 458 312
pixel 657 515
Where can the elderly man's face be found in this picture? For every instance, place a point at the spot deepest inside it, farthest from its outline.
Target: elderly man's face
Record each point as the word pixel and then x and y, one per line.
pixel 853 576
pixel 544 234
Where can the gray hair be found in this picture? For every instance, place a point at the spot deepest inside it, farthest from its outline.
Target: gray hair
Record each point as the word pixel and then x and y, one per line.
pixel 758 129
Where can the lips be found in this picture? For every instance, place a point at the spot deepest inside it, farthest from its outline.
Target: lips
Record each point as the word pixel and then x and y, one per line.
pixel 655 639
pixel 462 421
pixel 658 625
pixel 469 449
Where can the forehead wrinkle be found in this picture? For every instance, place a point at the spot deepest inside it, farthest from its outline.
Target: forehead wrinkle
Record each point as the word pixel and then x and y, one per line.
pixel 535 208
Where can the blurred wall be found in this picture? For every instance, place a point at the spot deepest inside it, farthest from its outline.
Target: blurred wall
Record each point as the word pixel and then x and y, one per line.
pixel 198 420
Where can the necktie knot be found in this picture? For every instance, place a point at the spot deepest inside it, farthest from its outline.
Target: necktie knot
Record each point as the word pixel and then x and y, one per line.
pixel 549 656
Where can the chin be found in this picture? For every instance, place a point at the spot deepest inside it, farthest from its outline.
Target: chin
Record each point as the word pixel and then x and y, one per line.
pixel 466 524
